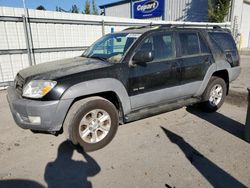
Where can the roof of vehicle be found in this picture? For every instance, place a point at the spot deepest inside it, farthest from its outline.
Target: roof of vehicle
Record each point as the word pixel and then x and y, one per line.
pixel 145 28
pixel 138 30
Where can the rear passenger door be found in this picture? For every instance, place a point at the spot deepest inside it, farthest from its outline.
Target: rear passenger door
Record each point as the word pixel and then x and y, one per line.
pixel 195 59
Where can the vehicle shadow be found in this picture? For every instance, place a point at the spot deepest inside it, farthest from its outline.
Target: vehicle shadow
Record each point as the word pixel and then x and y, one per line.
pixel 16 183
pixel 65 172
pixel 219 120
pixel 216 176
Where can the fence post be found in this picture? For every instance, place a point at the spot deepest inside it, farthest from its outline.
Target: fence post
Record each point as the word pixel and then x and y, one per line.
pixel 30 37
pixel 27 39
pixel 103 28
pixel 1 73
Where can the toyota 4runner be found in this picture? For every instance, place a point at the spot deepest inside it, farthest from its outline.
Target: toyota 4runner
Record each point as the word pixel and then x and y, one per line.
pixel 123 77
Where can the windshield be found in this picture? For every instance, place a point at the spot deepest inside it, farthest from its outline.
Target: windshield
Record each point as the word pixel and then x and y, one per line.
pixel 111 47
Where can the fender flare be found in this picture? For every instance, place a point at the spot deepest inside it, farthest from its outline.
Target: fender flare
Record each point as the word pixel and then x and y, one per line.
pixel 99 86
pixel 218 66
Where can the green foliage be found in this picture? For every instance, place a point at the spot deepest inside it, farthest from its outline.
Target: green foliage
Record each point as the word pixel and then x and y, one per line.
pixel 87 7
pixel 74 9
pixel 218 10
pixel 94 8
pixel 40 7
pixel 59 9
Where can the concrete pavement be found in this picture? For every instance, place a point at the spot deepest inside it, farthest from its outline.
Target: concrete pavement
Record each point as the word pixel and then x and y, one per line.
pixel 183 148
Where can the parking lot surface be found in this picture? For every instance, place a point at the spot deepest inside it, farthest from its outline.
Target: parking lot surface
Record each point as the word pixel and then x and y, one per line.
pixel 182 148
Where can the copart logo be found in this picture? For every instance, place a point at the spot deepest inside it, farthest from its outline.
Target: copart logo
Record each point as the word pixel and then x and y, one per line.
pixel 148 6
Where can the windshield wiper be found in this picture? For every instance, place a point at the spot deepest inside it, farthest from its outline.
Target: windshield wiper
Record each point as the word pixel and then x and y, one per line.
pixel 99 58
pixel 83 55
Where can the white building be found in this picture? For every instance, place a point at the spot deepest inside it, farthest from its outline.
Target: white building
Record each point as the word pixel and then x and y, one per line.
pixel 183 10
pixel 240 19
pixel 169 10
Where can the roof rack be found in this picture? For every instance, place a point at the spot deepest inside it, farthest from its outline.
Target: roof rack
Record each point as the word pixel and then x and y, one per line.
pixel 207 26
pixel 143 26
pixel 217 26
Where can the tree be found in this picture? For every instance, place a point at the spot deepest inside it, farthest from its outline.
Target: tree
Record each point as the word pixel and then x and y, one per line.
pixel 40 7
pixel 218 10
pixel 74 9
pixel 87 7
pixel 59 9
pixel 94 8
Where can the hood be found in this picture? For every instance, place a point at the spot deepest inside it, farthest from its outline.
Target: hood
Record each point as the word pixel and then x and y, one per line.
pixel 59 68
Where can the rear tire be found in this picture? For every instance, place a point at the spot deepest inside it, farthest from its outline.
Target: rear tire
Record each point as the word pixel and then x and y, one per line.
pixel 214 95
pixel 92 123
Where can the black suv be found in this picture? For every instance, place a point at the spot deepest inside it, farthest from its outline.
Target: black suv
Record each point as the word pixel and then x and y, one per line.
pixel 125 76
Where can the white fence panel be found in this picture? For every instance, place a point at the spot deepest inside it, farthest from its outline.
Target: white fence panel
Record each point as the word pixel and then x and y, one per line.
pixel 3 37
pixel 50 36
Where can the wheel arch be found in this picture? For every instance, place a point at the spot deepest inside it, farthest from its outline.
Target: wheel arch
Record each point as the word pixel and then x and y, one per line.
pixel 102 88
pixel 214 71
pixel 108 88
pixel 108 95
pixel 224 75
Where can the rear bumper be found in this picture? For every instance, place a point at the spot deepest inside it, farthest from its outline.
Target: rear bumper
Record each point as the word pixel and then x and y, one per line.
pixel 37 115
pixel 233 73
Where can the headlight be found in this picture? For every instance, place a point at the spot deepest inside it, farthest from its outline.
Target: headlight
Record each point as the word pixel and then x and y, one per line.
pixel 38 88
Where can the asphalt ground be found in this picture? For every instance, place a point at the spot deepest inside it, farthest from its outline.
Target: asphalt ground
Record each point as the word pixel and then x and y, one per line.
pixel 182 148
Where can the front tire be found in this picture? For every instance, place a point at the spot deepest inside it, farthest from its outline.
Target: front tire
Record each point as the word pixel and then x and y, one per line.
pixel 214 95
pixel 92 123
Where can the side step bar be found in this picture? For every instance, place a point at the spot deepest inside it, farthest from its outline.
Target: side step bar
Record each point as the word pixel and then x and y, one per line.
pixel 154 110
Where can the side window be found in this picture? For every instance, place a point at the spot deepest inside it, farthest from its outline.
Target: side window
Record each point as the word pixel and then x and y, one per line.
pixel 189 43
pixel 224 40
pixel 203 45
pixel 161 44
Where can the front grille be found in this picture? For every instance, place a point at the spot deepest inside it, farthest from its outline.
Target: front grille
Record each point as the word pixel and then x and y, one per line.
pixel 19 83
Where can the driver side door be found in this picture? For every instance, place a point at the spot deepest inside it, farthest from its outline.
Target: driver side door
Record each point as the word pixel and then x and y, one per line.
pixel 151 83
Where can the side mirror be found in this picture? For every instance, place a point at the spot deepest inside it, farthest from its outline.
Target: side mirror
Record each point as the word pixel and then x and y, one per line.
pixel 142 57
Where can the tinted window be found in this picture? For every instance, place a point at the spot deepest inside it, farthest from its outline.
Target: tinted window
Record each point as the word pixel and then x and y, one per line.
pixel 224 40
pixel 189 43
pixel 203 45
pixel 161 44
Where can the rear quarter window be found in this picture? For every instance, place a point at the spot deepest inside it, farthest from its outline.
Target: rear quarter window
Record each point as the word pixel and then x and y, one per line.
pixel 224 40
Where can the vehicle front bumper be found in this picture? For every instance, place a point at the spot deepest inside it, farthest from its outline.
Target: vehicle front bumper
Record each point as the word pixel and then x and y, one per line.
pixel 37 115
